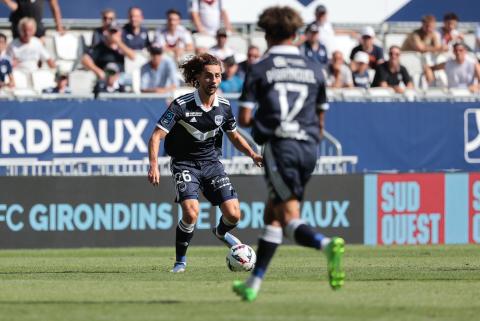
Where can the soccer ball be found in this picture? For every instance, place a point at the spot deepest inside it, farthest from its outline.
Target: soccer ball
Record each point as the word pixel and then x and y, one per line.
pixel 241 257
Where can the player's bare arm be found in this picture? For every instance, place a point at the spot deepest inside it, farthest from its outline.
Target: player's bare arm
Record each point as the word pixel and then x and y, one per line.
pixel 241 144
pixel 153 146
pixel 245 117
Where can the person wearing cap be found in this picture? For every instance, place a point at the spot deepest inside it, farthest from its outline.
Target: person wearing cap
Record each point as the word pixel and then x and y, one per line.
pixel 425 39
pixel 339 75
pixel 231 82
pixel 360 76
pixel 312 48
pixel 159 75
pixel 208 16
pixel 175 39
pixel 61 79
pixel 392 74
pixel 108 17
pixel 221 50
pixel 111 49
pixel 375 53
pixel 134 35
pixel 111 83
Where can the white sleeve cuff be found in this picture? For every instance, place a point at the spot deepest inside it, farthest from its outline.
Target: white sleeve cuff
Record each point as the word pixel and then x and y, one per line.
pixel 163 128
pixel 324 106
pixel 247 104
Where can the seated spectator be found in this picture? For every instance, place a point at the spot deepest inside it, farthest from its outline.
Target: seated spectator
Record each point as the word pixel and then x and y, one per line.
pixel 208 15
pixel 111 83
pixel 108 17
pixel 312 48
pixel 112 49
pixel 133 34
pixel 175 39
pixel 392 74
pixel 231 82
pixel 360 76
pixel 61 78
pixel 221 50
pixel 159 75
pixel 338 74
pixel 448 32
pixel 424 39
pixel 28 51
pixel 253 54
pixel 5 65
pixel 461 71
pixel 375 53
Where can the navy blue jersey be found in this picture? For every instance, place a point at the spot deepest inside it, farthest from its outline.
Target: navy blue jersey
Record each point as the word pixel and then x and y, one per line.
pixel 289 90
pixel 195 133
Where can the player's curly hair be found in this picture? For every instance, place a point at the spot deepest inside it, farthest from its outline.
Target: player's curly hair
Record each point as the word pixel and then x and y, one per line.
pixel 193 67
pixel 280 23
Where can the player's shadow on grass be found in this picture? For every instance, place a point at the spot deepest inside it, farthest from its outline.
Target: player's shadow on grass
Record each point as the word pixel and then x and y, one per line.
pixel 53 302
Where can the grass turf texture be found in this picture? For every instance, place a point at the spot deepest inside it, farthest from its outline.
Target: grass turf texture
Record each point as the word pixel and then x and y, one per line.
pixel 383 283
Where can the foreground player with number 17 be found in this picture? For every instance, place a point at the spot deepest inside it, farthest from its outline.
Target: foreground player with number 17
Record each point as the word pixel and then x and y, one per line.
pixel 192 127
pixel 290 92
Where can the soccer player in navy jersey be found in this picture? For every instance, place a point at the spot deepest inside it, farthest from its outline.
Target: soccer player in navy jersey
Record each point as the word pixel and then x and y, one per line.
pixel 289 91
pixel 192 127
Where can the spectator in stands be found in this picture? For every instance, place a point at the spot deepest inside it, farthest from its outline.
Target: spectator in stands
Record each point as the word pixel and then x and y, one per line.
pixel 28 51
pixel 253 54
pixel 231 82
pixel 462 72
pixel 133 34
pixel 208 15
pixel 108 18
pixel 312 47
pixel 339 75
pixel 175 39
pixel 33 9
pixel 159 75
pixel 326 34
pixel 221 50
pixel 61 78
pixel 112 49
pixel 448 32
pixel 111 83
pixel 425 39
pixel 375 53
pixel 5 65
pixel 360 76
pixel 392 74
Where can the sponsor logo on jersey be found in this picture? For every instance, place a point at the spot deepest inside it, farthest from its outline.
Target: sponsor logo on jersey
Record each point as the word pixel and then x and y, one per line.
pixel 193 114
pixel 218 120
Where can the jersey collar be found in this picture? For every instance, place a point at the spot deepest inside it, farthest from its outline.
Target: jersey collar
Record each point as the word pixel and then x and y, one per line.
pixel 284 50
pixel 199 103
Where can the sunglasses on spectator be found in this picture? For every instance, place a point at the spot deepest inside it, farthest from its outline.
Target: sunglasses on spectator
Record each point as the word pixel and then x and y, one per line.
pixel 108 18
pixel 394 53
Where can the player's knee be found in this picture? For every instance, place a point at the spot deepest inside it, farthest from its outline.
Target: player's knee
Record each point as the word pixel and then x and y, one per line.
pixel 190 213
pixel 231 211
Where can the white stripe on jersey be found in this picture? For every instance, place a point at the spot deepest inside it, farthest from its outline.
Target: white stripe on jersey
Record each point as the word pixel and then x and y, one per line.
pixel 223 101
pixel 196 133
pixel 184 99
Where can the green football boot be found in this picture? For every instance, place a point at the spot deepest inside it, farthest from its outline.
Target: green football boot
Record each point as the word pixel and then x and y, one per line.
pixel 241 289
pixel 334 251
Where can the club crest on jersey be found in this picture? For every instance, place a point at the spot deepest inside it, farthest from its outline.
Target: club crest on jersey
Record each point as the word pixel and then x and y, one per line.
pixel 218 120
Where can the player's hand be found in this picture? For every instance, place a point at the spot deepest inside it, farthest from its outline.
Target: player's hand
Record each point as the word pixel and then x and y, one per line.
pixel 257 159
pixel 154 175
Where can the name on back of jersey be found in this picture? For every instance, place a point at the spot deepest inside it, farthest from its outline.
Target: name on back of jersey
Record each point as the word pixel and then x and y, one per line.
pixel 283 71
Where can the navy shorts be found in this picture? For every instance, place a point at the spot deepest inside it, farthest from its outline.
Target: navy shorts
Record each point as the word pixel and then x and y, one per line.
pixel 209 176
pixel 288 167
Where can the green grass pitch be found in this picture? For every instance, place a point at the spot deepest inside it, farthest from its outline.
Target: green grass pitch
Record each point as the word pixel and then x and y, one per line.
pixel 383 283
